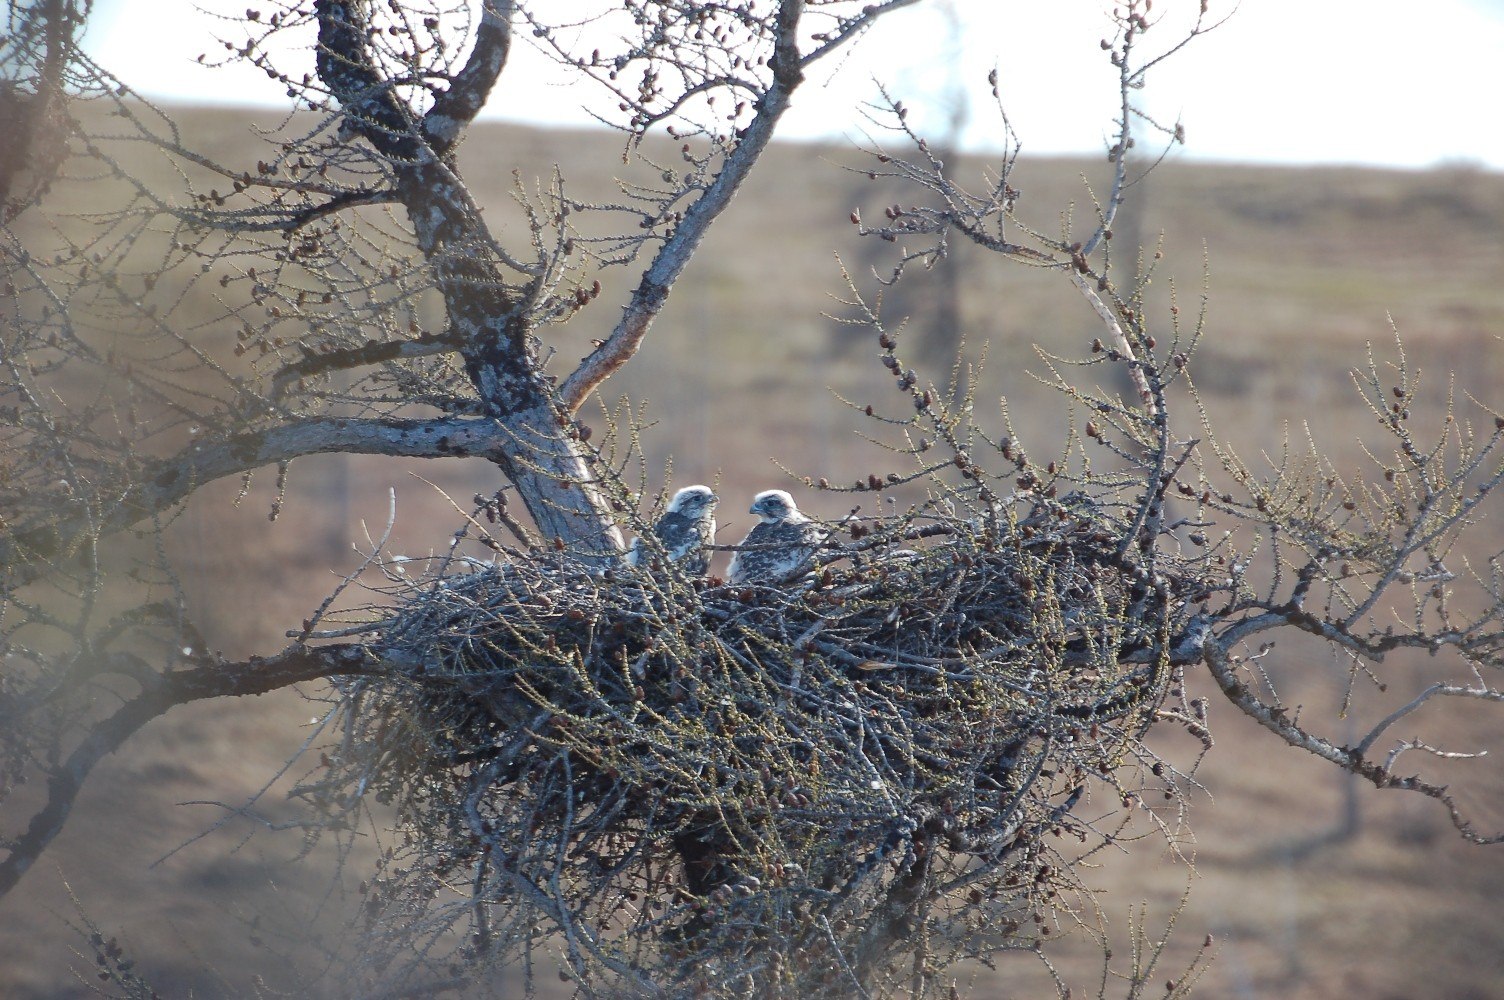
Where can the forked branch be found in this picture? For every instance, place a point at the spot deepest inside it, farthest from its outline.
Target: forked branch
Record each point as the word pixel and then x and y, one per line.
pixel 1223 669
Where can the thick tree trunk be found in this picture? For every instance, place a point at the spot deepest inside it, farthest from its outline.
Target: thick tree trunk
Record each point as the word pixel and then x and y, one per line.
pixel 550 470
pixel 557 484
pixel 486 312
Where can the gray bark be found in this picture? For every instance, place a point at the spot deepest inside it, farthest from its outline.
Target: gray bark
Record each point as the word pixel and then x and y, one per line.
pixel 486 313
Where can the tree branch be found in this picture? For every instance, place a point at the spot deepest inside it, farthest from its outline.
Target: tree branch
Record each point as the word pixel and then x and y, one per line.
pixel 652 291
pixel 851 27
pixel 338 203
pixel 371 353
pixel 487 314
pixel 468 91
pixel 1274 719
pixel 164 691
pixel 371 105
pixel 1119 339
pixel 23 552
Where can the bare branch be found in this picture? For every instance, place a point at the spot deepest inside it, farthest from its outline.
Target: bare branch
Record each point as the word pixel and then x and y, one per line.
pixel 467 93
pixel 371 353
pixel 1119 339
pixel 161 693
pixel 652 291
pixel 1276 720
pixel 26 551
pixel 851 27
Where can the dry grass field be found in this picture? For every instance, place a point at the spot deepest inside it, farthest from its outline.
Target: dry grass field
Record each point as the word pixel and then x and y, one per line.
pixel 1303 269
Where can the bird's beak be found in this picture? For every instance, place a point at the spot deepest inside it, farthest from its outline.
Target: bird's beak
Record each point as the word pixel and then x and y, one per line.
pixel 753 509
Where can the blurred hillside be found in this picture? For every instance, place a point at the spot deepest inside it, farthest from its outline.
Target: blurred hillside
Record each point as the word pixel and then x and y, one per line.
pixel 1301 269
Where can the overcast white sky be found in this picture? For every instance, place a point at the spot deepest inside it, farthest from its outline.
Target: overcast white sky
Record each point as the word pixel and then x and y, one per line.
pixel 1385 82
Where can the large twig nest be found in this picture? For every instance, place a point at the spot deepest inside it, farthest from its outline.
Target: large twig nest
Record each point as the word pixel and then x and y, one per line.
pixel 688 781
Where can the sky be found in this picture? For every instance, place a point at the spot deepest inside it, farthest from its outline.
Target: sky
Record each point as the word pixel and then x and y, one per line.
pixel 1376 82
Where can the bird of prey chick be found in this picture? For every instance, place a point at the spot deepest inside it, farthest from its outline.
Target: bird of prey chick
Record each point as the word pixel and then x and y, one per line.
pixel 780 546
pixel 685 531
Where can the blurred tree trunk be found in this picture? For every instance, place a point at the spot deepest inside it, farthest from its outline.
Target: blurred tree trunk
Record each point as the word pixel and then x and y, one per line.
pixel 33 59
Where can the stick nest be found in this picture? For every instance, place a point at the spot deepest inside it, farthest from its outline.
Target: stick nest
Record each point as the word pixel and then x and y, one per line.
pixel 682 786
